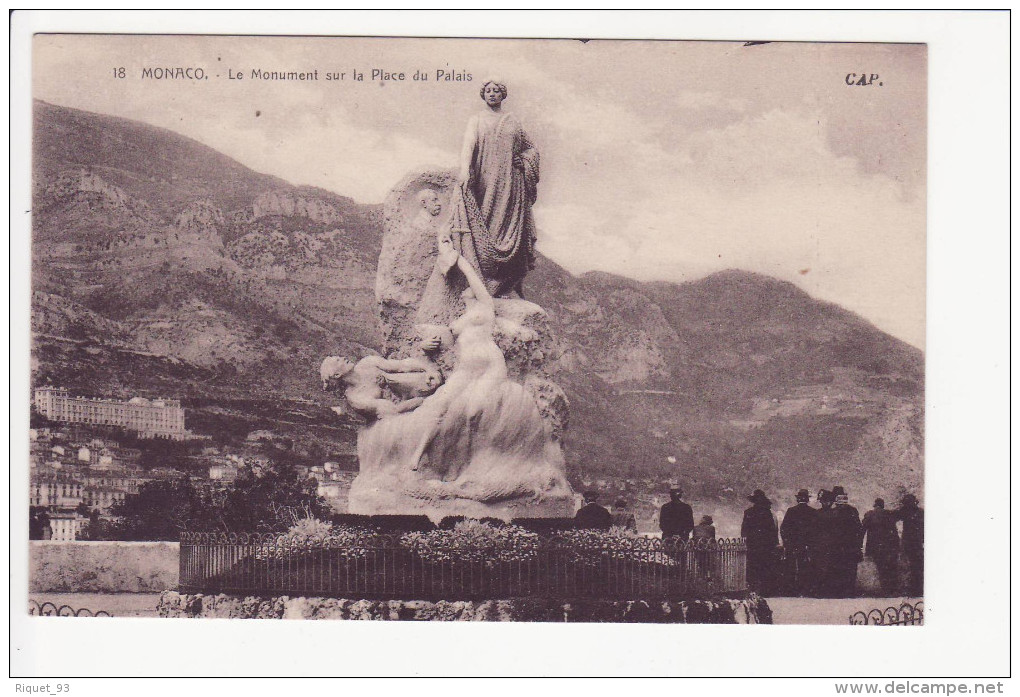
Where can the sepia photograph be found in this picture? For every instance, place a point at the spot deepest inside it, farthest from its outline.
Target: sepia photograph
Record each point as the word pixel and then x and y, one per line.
pixel 499 330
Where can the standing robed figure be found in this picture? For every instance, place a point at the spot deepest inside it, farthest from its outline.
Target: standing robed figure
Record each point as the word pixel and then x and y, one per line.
pixel 491 224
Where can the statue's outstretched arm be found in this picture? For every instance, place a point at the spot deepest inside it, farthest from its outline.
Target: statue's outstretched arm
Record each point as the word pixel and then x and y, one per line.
pixel 476 283
pixel 371 407
pixel 400 365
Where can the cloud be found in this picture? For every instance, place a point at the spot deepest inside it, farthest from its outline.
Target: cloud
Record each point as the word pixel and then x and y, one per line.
pixel 766 194
pixel 662 160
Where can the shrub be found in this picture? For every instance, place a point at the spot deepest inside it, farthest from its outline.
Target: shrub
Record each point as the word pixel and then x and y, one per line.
pixel 544 526
pixel 311 533
pixel 401 523
pixel 472 540
pixel 591 547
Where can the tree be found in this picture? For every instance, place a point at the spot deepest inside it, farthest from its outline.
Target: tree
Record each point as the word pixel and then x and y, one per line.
pixel 265 498
pixel 162 510
pixel 98 528
pixel 271 497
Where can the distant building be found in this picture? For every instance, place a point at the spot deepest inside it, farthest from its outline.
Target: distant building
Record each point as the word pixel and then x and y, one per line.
pixel 336 490
pixel 223 472
pixel 66 527
pixel 158 418
pixel 62 487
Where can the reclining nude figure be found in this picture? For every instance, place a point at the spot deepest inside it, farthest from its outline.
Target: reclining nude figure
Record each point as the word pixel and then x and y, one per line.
pixel 480 369
pixel 410 379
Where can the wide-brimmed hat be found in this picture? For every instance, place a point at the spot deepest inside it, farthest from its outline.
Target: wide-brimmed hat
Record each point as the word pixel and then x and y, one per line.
pixel 591 496
pixel 838 491
pixel 803 495
pixel 758 497
pixel 826 496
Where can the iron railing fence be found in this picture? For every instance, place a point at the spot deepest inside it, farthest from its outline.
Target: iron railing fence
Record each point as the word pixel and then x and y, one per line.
pixel 905 615
pixel 48 609
pixel 396 567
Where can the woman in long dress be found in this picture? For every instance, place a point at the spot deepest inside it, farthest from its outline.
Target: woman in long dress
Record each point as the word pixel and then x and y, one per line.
pixel 499 170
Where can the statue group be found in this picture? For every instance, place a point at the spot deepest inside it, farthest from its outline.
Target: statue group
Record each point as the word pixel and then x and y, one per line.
pixel 460 416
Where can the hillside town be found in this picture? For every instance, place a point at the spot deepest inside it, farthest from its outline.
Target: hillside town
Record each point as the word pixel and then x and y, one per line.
pixel 95 453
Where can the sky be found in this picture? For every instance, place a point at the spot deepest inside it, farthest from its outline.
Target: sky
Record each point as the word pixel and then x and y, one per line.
pixel 660 160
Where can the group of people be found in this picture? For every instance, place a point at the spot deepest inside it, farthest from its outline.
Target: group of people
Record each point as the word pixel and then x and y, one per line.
pixel 822 547
pixel 593 516
pixel 676 518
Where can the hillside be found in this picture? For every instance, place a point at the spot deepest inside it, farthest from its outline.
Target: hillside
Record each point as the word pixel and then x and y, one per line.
pixel 163 267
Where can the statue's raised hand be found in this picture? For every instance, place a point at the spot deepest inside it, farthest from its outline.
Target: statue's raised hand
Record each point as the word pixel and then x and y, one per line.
pixel 448 257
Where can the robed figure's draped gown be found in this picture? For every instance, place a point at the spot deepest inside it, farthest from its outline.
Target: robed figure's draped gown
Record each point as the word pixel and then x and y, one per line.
pixel 495 208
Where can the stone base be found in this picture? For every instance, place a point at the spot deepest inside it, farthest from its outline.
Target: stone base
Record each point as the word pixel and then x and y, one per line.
pixel 749 610
pixel 392 500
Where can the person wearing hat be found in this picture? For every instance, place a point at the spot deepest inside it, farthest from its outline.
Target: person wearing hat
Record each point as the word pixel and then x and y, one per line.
pixel 912 516
pixel 883 544
pixel 676 518
pixel 704 531
pixel 797 530
pixel 707 565
pixel 847 536
pixel 823 545
pixel 622 518
pixel 592 516
pixel 761 534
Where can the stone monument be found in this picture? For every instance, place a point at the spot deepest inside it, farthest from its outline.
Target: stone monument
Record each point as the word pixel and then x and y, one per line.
pixel 461 417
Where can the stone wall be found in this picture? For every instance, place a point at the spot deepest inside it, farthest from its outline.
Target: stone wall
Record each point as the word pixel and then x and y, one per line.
pixel 102 567
pixel 750 610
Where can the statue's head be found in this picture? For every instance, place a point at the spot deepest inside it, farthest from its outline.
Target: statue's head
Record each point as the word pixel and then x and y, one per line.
pixel 493 92
pixel 333 370
pixel 429 200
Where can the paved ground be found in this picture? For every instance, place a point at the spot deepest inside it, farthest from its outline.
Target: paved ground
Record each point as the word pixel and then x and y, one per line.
pixel 117 604
pixel 826 610
pixel 784 610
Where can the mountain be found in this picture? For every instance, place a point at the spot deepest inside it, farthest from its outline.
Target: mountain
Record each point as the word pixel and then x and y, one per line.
pixel 163 267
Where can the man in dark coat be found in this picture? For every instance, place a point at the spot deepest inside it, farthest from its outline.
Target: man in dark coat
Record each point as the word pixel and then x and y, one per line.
pixel 592 516
pixel 823 545
pixel 676 518
pixel 797 530
pixel 912 516
pixel 761 534
pixel 882 544
pixel 847 535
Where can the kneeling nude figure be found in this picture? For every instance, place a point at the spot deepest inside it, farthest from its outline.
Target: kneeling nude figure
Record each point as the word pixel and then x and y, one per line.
pixel 480 368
